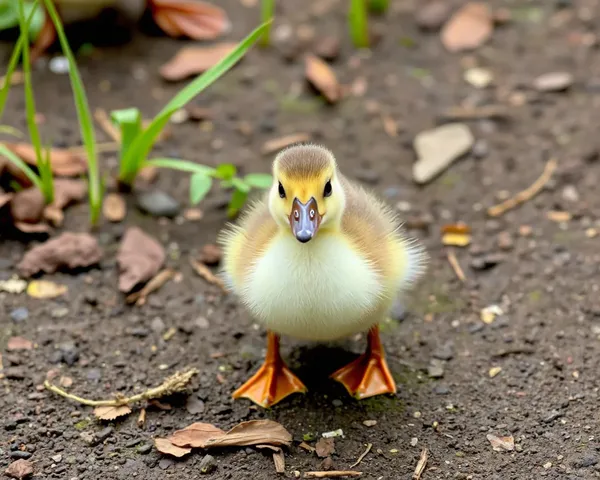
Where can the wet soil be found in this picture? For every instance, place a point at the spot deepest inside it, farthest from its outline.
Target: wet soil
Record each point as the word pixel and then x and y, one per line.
pixel 547 343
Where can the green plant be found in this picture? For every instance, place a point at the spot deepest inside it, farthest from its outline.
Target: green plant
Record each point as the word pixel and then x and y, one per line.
pixel 267 12
pixel 357 23
pixel 379 6
pixel 9 16
pixel 84 116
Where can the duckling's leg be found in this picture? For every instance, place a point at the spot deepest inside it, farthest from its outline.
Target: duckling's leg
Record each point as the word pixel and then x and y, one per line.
pixel 369 374
pixel 273 381
pixel 196 20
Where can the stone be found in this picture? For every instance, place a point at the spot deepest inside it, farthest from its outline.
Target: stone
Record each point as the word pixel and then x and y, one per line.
pixel 194 405
pixel 207 464
pixel 103 434
pixel 588 460
pixel 432 14
pixel 69 353
pixel 158 204
pixel 444 352
pixel 435 369
pixel 19 315
pixel 438 148
pixel 553 82
pixel 144 449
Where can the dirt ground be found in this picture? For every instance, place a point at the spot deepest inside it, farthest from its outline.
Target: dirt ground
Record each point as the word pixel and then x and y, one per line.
pixel 547 343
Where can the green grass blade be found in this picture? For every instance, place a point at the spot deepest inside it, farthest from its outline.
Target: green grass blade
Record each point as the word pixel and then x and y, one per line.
pixel 141 147
pixel 259 180
pixel 8 130
pixel 181 165
pixel 12 66
pixel 379 6
pixel 199 186
pixel 267 13
pixel 83 113
pixel 21 165
pixel 357 22
pixel 129 121
pixel 46 176
pixel 236 203
pixel 239 184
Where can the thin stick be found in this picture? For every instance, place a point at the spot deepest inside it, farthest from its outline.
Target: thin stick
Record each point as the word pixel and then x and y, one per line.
pixel 333 474
pixel 456 266
pixel 175 383
pixel 363 455
pixel 421 465
pixel 154 284
pixel 141 421
pixel 105 124
pixel 205 272
pixel 526 194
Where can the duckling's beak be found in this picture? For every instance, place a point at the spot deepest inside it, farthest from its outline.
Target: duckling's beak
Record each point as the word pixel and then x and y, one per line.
pixel 305 219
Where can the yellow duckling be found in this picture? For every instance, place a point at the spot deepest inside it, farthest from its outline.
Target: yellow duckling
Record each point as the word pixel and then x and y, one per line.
pixel 318 259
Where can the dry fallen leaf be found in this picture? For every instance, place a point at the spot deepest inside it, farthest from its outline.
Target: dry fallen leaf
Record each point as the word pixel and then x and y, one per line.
pixel 456 239
pixel 325 447
pixel 163 445
pixel 139 258
pixel 195 435
pixel 27 205
pixel 193 19
pixel 19 343
pixel 194 60
pixel 67 251
pixel 253 432
pixel 501 444
pixel 494 371
pixel 276 144
pixel 111 412
pixel 470 27
pixel 45 289
pixel 322 77
pixel 19 469
pixel 68 191
pixel 114 208
pixel 64 162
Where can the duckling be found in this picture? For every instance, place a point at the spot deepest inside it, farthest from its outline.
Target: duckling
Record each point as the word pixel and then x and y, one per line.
pixel 194 19
pixel 318 259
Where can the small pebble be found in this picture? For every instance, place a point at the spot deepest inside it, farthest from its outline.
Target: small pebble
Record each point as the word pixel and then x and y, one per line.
pixel 505 241
pixel 370 423
pixel 165 463
pixel 19 315
pixel 158 204
pixel 414 441
pixel 207 464
pixel 337 403
pixel 59 312
pixel 144 449
pixel 59 65
pixel 19 454
pixel 432 15
pixel 553 82
pixel 435 370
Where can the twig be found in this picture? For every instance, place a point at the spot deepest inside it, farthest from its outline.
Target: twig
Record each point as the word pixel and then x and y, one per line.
pixel 207 275
pixel 456 266
pixel 141 421
pixel 363 455
pixel 333 474
pixel 526 194
pixel 154 284
pixel 474 113
pixel 421 465
pixel 105 124
pixel 175 383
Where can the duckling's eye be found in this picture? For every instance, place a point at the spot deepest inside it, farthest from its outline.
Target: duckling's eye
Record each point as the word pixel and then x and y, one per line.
pixel 327 191
pixel 281 191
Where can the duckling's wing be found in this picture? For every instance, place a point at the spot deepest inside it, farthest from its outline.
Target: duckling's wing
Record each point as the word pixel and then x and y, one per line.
pixel 245 242
pixel 374 230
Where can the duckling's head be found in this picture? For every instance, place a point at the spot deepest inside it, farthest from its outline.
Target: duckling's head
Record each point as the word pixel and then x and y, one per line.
pixel 307 195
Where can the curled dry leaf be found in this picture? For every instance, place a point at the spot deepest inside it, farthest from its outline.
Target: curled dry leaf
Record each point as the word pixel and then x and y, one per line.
pixel 195 435
pixel 501 444
pixel 470 27
pixel 276 144
pixel 190 18
pixel 68 191
pixel 114 208
pixel 111 412
pixel 44 289
pixel 27 206
pixel 253 432
pixel 18 343
pixel 67 251
pixel 163 445
pixel 19 469
pixel 194 60
pixel 325 447
pixel 139 258
pixel 322 77
pixel 32 228
pixel 64 162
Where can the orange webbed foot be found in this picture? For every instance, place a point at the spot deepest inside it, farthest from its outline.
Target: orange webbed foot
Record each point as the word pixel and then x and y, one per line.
pixel 196 20
pixel 369 374
pixel 274 380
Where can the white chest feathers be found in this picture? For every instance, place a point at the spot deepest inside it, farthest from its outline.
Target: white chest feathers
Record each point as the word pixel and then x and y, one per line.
pixel 321 290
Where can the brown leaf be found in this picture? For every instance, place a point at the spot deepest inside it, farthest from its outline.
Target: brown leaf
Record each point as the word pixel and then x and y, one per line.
pixel 322 77
pixel 163 445
pixel 139 258
pixel 470 27
pixel 27 205
pixel 325 447
pixel 253 432
pixel 110 413
pixel 458 228
pixel 194 60
pixel 63 161
pixel 207 275
pixel 32 227
pixel 501 444
pixel 67 251
pixel 210 254
pixel 19 343
pixel 190 18
pixel 68 191
pixel 195 435
pixel 19 469
pixel 276 144
pixel 114 208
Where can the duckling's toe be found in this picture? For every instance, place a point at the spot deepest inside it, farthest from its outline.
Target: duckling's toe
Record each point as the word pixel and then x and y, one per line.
pixel 369 374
